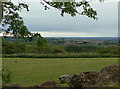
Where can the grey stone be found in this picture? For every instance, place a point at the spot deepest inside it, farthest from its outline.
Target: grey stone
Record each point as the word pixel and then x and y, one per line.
pixel 85 79
pixel 45 85
pixel 64 78
pixel 110 73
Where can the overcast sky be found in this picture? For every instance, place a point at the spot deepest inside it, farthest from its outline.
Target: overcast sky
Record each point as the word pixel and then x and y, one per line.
pixel 51 24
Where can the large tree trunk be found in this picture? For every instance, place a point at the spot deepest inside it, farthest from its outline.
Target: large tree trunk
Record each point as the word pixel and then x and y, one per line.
pixel 1 11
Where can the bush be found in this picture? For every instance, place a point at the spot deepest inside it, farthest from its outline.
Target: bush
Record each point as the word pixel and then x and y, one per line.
pixel 108 50
pixel 6 76
pixel 7 47
pixel 13 47
pixel 80 49
pixel 82 55
pixel 58 50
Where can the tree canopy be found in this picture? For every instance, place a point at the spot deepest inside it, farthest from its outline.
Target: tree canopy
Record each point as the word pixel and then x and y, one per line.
pixel 13 23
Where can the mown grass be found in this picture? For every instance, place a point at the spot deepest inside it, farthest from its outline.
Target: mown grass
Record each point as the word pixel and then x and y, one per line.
pixel 30 71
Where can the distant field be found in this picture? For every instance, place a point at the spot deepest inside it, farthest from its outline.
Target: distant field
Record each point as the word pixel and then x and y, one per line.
pixel 30 71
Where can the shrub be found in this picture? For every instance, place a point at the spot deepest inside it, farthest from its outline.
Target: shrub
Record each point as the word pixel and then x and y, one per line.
pixel 58 50
pixel 80 49
pixel 13 47
pixel 7 47
pixel 82 55
pixel 108 50
pixel 6 76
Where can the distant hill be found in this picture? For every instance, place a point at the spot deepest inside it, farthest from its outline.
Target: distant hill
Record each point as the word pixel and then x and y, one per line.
pixel 86 38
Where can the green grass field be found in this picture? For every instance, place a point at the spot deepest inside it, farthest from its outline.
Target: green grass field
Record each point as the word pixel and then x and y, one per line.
pixel 30 71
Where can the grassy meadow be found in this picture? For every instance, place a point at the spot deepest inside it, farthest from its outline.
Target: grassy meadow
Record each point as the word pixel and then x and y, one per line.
pixel 30 71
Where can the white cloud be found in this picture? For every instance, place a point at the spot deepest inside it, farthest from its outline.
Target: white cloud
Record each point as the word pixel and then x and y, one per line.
pixel 68 34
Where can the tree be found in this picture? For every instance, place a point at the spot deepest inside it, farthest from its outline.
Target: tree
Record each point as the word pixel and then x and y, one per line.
pixel 40 45
pixel 15 24
pixel 58 50
pixel 15 47
pixel 71 8
pixel 113 49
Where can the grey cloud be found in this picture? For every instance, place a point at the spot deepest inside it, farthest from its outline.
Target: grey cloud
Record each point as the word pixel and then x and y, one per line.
pixel 40 20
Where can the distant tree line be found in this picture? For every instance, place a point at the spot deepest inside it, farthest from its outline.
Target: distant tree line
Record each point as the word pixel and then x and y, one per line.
pixel 41 46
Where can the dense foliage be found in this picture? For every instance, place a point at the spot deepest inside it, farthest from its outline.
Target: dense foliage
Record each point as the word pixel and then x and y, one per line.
pixel 13 47
pixel 6 76
pixel 71 8
pixel 80 49
pixel 13 23
pixel 42 49
pixel 109 50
